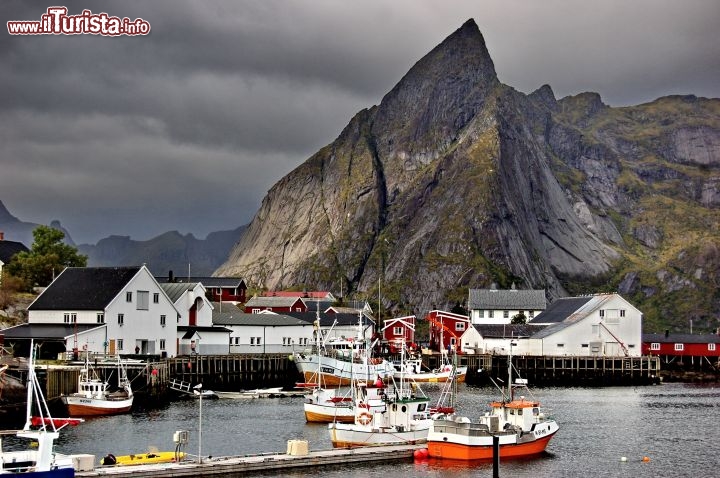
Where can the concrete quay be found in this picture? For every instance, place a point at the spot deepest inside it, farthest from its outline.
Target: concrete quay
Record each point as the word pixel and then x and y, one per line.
pixel 241 465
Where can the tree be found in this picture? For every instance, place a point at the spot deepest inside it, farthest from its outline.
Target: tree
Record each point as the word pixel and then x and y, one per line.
pixel 47 258
pixel 519 318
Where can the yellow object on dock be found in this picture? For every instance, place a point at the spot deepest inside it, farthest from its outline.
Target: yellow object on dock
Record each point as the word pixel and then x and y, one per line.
pixel 149 458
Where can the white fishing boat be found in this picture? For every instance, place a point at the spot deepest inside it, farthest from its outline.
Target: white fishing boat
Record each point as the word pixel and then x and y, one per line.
pixel 41 460
pixel 326 404
pixel 337 362
pixel 94 396
pixel 521 428
pixel 412 371
pixel 400 416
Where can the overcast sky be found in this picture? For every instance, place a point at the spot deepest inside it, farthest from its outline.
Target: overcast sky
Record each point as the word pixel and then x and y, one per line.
pixel 188 127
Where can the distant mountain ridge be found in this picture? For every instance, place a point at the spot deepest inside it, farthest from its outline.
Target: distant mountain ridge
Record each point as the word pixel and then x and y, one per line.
pixel 170 251
pixel 166 252
pixel 14 229
pixel 456 180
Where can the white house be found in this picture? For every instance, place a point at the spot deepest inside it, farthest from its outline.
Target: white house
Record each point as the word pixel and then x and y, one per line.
pixel 495 306
pixel 115 310
pixel 266 333
pixel 195 331
pixel 602 325
pixel 496 339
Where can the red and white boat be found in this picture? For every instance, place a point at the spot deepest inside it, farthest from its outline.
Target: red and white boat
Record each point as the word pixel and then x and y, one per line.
pixel 522 429
pixel 94 397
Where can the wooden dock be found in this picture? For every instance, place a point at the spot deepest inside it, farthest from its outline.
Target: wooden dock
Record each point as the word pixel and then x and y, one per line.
pixel 241 465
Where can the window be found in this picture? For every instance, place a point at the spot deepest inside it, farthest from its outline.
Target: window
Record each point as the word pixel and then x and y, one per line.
pixel 585 346
pixel 490 314
pixel 100 317
pixel 655 346
pixel 70 318
pixel 143 298
pixel 631 346
pixel 298 309
pixel 252 340
pixel 162 344
pixel 506 314
pixel 256 311
pixel 255 341
pixel 602 313
pixel 120 344
pixel 303 341
pixel 287 341
pixel 595 330
pixel 679 347
pixel 622 312
pixel 459 325
pixel 156 298
pixel 66 317
pixel 531 314
pixel 162 320
pixel 121 319
pixel 711 347
pixel 128 296
pixel 481 314
pixel 560 346
pixel 398 331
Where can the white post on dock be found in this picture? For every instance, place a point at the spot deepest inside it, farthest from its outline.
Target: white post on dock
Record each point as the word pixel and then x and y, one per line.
pixel 198 391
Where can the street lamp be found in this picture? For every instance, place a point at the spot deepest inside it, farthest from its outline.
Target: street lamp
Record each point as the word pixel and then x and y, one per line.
pixel 198 392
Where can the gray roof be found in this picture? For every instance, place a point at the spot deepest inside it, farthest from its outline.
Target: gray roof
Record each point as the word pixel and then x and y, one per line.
pixel 190 330
pixel 507 330
pixel 682 338
pixel 46 331
pixel 84 288
pixel 175 290
pixel 560 309
pixel 271 320
pixel 513 299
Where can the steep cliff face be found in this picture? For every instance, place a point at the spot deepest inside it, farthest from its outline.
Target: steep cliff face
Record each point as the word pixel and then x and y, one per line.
pixel 456 180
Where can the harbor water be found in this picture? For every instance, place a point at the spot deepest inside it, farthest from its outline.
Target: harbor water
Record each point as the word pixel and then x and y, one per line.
pixel 676 426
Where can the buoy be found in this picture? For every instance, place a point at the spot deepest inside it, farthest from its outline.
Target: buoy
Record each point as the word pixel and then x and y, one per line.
pixel 646 459
pixel 420 454
pixel 623 458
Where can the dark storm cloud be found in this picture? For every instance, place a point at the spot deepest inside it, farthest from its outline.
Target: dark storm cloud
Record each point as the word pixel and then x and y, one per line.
pixel 188 127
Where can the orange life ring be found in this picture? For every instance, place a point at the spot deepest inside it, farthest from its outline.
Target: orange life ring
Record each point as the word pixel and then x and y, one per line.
pixel 364 418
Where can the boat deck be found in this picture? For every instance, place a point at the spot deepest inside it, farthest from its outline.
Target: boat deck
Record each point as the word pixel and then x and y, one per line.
pixel 255 463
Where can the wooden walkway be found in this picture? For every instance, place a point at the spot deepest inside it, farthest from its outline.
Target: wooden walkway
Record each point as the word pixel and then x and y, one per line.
pixel 241 465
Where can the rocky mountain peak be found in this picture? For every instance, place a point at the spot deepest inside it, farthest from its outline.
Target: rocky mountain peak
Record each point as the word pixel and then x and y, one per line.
pixel 438 96
pixel 456 181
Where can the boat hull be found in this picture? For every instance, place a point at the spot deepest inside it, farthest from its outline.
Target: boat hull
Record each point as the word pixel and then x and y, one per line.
pixel 85 407
pixel 351 437
pixel 433 377
pixel 482 448
pixel 328 414
pixel 338 373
